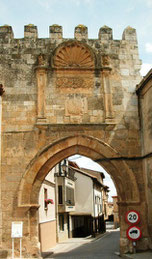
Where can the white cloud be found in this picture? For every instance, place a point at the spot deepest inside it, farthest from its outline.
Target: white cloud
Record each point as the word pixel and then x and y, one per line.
pixel 145 68
pixel 148 47
pixel 149 3
pixel 89 1
pixel 47 3
pixel 130 9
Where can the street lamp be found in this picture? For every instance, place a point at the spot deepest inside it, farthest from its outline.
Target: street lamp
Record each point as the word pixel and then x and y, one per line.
pixel 64 167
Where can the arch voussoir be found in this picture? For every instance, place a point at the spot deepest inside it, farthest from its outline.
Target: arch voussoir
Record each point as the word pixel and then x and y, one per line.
pixel 88 146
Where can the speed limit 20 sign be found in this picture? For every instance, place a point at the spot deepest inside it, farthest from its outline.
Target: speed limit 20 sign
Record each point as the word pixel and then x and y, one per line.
pixel 132 217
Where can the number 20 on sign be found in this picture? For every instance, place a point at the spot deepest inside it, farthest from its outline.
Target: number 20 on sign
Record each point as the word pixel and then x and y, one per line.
pixel 132 217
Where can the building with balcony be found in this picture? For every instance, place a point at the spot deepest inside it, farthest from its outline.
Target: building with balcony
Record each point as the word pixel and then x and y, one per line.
pixel 65 197
pixel 79 204
pixel 88 217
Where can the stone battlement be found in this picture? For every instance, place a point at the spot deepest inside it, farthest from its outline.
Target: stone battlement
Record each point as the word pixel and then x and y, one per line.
pixel 56 33
pixel 79 80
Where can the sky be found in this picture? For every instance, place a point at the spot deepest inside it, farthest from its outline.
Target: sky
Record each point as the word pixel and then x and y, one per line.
pixel 117 14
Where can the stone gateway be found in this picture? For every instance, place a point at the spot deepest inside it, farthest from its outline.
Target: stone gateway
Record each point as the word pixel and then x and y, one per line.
pixel 64 97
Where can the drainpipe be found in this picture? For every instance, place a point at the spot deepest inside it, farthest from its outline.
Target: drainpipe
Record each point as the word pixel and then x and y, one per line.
pixel 93 200
pixel 93 211
pixel 56 207
pixel 1 93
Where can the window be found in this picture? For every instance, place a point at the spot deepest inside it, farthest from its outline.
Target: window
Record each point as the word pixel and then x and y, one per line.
pixel 61 222
pixel 45 198
pixel 70 196
pixel 60 196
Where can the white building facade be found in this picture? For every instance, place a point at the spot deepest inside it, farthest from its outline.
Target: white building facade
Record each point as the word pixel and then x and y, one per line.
pixel 47 212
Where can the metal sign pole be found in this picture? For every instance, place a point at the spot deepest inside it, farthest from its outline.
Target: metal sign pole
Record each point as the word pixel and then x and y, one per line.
pixel 134 247
pixel 20 247
pixel 12 248
pixel 17 232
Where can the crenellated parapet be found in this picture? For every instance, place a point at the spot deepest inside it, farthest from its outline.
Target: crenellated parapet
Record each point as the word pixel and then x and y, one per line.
pixel 56 32
pixel 93 77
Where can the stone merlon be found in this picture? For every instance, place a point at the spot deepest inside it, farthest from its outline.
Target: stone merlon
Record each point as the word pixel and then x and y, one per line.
pixel 6 31
pixel 105 33
pixel 129 34
pixel 30 31
pixel 80 32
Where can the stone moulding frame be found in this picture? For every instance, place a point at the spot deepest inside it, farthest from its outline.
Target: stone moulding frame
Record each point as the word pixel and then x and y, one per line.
pixel 53 153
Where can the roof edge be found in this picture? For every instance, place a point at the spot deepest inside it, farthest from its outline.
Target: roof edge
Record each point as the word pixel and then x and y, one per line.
pixel 144 81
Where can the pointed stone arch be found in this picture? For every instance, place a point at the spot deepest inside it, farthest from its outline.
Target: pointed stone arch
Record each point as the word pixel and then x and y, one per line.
pixel 91 147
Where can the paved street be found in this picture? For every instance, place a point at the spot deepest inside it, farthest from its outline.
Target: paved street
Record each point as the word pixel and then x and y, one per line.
pixel 104 247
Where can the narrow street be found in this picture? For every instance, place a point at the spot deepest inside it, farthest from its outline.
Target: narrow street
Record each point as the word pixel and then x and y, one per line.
pixel 107 246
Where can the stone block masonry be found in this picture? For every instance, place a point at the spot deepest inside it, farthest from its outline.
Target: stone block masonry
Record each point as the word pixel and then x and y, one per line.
pixel 35 78
pixel 63 97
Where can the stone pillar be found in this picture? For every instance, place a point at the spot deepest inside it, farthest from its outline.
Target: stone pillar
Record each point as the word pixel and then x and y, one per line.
pixel 105 33
pixel 41 86
pixel 124 242
pixel 107 95
pixel 81 32
pixel 41 74
pixel 30 31
pixel 34 244
pixel 55 32
pixel 1 223
pixel 6 32
pixel 30 241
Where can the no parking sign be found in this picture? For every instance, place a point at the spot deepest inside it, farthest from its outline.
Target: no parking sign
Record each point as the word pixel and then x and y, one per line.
pixel 133 233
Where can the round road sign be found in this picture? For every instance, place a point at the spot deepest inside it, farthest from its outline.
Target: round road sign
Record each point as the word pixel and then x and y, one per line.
pixel 134 233
pixel 132 217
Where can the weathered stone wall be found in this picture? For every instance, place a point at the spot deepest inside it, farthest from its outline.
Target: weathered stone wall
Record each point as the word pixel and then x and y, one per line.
pixel 70 96
pixel 144 92
pixel 56 88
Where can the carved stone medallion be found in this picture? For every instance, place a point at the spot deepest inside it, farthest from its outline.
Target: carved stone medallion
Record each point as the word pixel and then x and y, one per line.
pixel 75 106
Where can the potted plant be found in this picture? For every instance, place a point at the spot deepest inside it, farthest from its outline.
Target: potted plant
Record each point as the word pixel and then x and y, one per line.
pixel 49 201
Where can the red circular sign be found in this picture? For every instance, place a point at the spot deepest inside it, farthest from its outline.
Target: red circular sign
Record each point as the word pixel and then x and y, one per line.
pixel 132 217
pixel 133 233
